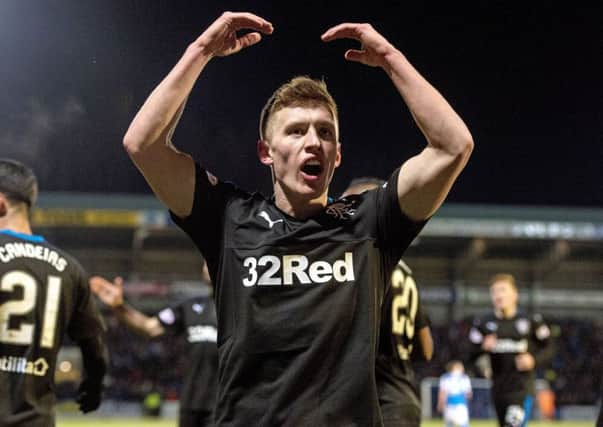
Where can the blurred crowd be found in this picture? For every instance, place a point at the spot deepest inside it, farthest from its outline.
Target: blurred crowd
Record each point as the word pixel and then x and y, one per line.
pixel 139 367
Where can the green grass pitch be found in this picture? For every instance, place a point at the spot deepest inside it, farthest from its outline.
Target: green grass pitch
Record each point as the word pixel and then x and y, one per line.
pixel 114 422
pixel 146 422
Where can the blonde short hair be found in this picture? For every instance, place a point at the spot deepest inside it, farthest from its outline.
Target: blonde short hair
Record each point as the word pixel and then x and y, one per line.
pixel 503 277
pixel 299 91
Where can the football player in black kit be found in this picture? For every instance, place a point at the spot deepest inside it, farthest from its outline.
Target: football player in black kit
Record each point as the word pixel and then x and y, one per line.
pixel 298 278
pixel 44 295
pixel 517 344
pixel 194 318
pixel 404 323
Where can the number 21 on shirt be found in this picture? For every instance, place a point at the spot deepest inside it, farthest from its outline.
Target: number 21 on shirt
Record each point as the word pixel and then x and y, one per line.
pixel 23 335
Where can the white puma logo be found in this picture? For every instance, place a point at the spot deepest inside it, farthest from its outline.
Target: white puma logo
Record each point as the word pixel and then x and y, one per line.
pixel 271 223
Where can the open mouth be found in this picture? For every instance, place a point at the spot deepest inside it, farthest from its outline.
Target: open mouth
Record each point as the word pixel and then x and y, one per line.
pixel 312 168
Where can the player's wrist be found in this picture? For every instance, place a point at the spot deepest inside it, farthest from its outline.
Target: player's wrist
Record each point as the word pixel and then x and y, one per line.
pixel 199 51
pixel 119 306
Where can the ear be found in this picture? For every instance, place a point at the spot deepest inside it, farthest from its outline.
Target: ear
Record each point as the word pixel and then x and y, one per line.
pixel 338 155
pixel 3 205
pixel 263 150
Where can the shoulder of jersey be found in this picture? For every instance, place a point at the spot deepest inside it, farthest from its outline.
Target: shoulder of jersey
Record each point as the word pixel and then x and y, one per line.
pixel 405 267
pixel 71 260
pixel 245 197
pixel 523 315
pixel 481 320
pixel 167 316
pixel 352 200
pixel 202 299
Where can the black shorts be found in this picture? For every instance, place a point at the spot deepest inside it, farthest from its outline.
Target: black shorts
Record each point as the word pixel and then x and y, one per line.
pixel 195 418
pixel 401 415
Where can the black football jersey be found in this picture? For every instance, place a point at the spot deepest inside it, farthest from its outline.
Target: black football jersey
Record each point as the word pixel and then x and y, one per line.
pixel 44 294
pixel 195 320
pixel 516 335
pixel 402 318
pixel 298 302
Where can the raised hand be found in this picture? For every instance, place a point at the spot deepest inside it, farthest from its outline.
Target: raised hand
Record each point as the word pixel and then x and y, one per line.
pixel 111 294
pixel 221 39
pixel 373 46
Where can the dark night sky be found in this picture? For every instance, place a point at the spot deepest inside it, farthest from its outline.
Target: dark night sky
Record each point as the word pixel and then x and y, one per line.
pixel 525 77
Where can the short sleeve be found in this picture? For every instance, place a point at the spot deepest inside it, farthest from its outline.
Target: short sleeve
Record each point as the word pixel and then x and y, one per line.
pixel 205 223
pixel 395 230
pixel 476 334
pixel 467 384
pixel 443 381
pixel 172 318
pixel 542 332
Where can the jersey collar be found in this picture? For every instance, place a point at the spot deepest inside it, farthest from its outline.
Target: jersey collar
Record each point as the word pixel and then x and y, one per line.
pixel 31 237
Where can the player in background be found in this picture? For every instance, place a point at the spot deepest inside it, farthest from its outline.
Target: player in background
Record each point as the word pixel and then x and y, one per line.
pixel 298 278
pixel 453 395
pixel 404 323
pixel 195 319
pixel 516 343
pixel 44 295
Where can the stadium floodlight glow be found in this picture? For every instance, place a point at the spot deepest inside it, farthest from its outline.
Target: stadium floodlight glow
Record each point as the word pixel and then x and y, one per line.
pixel 65 366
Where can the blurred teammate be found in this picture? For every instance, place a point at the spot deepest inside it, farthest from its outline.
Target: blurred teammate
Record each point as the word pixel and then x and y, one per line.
pixel 194 318
pixel 516 343
pixel 453 395
pixel 44 295
pixel 403 324
pixel 298 279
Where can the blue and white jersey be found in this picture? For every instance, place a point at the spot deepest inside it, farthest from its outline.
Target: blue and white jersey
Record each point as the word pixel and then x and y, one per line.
pixel 456 386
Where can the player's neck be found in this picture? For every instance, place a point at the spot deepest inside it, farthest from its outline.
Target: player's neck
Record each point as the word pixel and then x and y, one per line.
pixel 296 206
pixel 15 222
pixel 507 313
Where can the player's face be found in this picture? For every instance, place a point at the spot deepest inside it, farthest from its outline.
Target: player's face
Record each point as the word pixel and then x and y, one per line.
pixel 503 295
pixel 303 151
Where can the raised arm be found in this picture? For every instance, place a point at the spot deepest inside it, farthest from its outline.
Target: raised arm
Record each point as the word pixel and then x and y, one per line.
pixel 111 294
pixel 169 172
pixel 426 178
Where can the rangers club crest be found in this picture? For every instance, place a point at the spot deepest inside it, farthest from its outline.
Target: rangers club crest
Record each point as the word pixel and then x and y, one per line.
pixel 491 326
pixel 342 209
